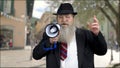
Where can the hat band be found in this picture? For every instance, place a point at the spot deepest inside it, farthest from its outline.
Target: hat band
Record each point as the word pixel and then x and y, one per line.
pixel 66 12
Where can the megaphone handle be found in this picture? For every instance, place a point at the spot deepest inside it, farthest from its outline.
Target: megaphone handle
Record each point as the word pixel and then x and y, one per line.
pixel 55 45
pixel 51 48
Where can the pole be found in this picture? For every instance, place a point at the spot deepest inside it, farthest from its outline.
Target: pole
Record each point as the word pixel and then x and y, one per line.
pixel 32 43
pixel 119 52
pixel 111 55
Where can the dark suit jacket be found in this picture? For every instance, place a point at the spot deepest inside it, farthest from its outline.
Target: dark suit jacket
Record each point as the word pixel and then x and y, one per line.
pixel 88 44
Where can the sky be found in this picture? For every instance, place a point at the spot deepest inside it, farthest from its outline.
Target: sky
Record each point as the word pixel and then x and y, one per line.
pixel 39 8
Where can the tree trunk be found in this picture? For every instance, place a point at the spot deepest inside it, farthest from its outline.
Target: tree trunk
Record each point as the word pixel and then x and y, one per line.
pixel 118 31
pixel 118 35
pixel 118 25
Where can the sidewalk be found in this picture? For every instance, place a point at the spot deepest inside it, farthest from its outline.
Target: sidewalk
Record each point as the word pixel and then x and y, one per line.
pixel 104 61
pixel 21 58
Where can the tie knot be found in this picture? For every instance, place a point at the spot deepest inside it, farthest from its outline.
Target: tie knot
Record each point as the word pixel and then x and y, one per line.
pixel 64 44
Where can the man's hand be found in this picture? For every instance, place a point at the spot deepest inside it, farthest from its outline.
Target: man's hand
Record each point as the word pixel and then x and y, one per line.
pixel 52 40
pixel 94 26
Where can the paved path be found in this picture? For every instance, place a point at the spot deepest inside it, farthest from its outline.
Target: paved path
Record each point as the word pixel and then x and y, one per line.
pixel 104 61
pixel 21 58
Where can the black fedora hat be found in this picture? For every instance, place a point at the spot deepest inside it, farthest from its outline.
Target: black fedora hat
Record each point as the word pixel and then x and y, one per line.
pixel 65 8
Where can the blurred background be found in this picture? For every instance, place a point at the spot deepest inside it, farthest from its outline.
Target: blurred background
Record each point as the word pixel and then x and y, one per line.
pixel 22 23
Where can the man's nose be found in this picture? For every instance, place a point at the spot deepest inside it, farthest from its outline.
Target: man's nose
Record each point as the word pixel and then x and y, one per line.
pixel 63 19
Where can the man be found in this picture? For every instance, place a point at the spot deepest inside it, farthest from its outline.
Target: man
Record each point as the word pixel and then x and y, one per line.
pixel 81 44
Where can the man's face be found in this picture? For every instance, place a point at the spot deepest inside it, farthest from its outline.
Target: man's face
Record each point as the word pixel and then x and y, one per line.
pixel 65 20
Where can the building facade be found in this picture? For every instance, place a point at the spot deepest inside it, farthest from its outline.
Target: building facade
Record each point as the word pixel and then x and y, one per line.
pixel 13 29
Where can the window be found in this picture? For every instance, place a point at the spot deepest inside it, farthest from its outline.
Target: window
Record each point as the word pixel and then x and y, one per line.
pixel 7 6
pixel 29 7
pixel 1 5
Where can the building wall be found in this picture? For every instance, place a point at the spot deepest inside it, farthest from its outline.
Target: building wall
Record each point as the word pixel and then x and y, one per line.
pixel 17 23
pixel 18 31
pixel 20 8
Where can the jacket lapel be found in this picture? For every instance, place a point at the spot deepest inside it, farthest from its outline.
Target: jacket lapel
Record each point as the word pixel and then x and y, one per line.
pixel 57 54
pixel 80 41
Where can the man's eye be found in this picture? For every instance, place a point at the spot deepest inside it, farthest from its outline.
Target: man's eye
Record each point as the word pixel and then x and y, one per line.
pixel 67 16
pixel 60 16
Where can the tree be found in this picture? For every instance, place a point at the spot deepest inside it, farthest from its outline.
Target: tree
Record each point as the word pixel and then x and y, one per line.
pixel 116 25
pixel 109 8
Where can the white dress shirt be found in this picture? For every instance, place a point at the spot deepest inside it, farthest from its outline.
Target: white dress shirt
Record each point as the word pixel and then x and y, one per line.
pixel 72 60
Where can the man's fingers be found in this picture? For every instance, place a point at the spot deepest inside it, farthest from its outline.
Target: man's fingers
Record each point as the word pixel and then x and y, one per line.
pixel 95 19
pixel 94 24
pixel 94 27
pixel 52 40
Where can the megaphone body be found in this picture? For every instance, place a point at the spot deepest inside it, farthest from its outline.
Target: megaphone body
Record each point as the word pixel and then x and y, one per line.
pixel 52 30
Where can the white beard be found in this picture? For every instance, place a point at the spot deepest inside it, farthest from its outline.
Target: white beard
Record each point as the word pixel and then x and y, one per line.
pixel 66 34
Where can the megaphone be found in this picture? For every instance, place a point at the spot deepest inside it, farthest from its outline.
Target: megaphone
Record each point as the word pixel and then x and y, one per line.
pixel 52 30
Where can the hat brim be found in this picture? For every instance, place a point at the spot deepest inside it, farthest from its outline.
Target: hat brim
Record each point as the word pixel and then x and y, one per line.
pixel 75 13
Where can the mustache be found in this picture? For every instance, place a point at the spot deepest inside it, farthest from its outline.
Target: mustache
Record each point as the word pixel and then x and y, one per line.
pixel 64 24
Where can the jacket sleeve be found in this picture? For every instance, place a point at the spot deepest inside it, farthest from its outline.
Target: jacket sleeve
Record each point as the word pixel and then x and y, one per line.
pixel 97 43
pixel 39 50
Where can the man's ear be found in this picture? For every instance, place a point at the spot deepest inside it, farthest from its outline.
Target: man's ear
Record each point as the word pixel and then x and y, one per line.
pixel 73 15
pixel 56 17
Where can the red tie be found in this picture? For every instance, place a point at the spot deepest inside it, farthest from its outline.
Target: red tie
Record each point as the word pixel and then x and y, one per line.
pixel 63 51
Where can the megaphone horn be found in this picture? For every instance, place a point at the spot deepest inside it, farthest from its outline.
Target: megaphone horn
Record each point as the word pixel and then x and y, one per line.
pixel 52 30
